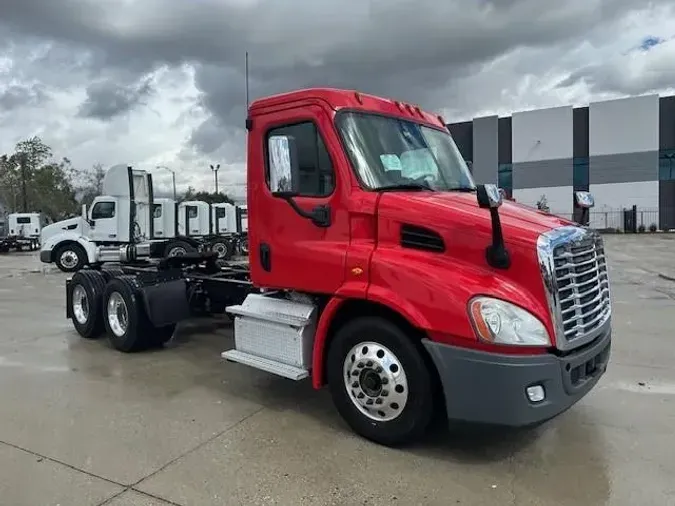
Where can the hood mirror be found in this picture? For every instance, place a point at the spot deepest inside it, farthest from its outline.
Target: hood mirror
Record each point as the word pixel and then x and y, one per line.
pixel 489 196
pixel 584 200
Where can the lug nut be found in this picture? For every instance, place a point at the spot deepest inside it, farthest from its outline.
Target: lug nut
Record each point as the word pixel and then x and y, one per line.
pixel 355 384
pixel 360 396
pixel 369 363
pixel 360 365
pixel 378 401
pixel 384 393
pixel 369 402
pixel 385 381
pixel 378 369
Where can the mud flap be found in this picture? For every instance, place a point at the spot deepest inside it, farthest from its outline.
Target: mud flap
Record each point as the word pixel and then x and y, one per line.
pixel 166 303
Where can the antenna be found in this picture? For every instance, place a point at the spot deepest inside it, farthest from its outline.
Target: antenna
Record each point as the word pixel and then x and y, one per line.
pixel 246 82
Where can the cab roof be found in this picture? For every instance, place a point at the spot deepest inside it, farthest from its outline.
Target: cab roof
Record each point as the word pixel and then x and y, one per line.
pixel 338 99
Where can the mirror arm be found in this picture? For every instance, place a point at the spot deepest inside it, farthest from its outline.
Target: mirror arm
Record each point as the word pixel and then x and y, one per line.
pixel 496 254
pixel 320 215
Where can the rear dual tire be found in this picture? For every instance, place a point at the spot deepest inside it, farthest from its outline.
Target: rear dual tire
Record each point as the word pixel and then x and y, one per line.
pixel 111 303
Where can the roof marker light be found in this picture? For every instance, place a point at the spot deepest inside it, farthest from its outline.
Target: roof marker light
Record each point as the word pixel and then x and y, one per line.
pixel 359 98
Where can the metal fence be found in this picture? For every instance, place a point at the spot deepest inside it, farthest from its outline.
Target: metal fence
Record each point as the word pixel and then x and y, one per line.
pixel 629 219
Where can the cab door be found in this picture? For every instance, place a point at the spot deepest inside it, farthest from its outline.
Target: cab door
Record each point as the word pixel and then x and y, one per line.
pixel 288 250
pixel 103 221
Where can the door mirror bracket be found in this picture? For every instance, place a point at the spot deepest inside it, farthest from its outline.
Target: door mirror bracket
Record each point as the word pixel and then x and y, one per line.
pixel 319 216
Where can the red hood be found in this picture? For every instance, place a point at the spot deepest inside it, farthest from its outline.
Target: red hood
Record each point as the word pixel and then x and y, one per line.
pixel 518 221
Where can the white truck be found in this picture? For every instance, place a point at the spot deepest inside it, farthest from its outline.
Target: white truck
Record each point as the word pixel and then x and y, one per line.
pixel 222 226
pixel 127 218
pixel 23 231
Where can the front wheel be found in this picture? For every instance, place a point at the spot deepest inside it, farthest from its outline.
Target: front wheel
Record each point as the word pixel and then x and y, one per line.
pixel 70 258
pixel 379 381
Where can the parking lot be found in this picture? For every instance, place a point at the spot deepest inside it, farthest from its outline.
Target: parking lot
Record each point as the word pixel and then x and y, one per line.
pixel 81 424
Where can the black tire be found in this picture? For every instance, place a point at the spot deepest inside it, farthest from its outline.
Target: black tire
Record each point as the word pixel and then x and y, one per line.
pixel 417 413
pixel 93 284
pixel 112 273
pixel 242 246
pixel 178 245
pixel 225 246
pixel 76 251
pixel 138 332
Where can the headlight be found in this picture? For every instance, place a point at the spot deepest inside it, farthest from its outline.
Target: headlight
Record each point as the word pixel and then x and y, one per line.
pixel 500 322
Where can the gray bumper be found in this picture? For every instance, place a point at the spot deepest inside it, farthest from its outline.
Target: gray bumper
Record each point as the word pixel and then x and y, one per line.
pixel 490 388
pixel 46 256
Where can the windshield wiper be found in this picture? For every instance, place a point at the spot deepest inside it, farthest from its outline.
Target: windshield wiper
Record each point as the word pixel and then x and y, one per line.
pixel 406 186
pixel 463 189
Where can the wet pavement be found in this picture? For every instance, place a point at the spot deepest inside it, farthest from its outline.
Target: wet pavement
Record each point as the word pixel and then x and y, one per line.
pixel 81 424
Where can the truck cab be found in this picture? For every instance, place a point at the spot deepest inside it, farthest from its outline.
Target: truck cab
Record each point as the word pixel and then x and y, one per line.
pixel 366 206
pixel 164 217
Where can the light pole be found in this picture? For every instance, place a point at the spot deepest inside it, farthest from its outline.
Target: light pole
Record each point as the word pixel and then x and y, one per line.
pixel 215 175
pixel 173 178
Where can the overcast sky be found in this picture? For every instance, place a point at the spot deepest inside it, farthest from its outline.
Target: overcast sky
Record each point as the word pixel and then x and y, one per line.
pixel 161 82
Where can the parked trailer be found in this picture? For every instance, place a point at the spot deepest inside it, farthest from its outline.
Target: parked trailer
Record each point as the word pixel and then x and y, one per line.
pixel 378 268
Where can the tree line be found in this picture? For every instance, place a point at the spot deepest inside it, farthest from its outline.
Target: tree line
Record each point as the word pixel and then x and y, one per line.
pixel 32 180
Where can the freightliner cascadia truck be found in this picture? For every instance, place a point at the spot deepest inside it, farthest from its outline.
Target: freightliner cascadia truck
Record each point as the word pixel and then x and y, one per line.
pixel 379 269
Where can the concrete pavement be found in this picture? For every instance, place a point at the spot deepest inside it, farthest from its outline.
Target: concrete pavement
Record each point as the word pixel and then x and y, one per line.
pixel 81 424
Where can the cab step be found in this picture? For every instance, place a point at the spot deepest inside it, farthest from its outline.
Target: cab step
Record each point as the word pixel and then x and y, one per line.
pixel 274 334
pixel 265 364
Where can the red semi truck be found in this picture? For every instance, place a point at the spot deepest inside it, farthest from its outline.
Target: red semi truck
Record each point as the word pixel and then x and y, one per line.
pixel 378 268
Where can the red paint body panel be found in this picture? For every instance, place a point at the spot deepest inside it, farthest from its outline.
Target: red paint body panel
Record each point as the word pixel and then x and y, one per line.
pixel 359 255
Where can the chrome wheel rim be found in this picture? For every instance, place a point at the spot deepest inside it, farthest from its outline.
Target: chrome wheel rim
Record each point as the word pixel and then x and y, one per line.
pixel 178 251
pixel 68 259
pixel 375 381
pixel 80 304
pixel 118 316
pixel 220 248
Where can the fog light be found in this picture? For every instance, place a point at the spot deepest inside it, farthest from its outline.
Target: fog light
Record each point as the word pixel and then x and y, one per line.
pixel 536 393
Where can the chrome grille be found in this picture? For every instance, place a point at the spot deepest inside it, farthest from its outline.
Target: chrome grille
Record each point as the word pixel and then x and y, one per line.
pixel 577 282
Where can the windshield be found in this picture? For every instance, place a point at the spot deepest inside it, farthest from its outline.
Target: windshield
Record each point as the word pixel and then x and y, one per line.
pixel 388 152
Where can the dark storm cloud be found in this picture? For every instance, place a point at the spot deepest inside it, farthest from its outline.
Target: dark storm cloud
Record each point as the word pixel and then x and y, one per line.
pixel 408 49
pixel 106 100
pixel 19 95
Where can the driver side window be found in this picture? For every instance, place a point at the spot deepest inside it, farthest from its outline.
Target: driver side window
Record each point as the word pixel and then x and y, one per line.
pixel 103 210
pixel 316 174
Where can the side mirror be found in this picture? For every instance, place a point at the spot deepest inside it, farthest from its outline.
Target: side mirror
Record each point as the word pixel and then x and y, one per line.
pixel 584 200
pixel 489 196
pixel 283 164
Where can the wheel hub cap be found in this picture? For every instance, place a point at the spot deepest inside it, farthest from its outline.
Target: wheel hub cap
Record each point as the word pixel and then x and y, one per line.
pixel 375 381
pixel 118 316
pixel 220 248
pixel 80 304
pixel 69 259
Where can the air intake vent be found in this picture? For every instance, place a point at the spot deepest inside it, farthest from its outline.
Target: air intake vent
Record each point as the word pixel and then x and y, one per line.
pixel 421 238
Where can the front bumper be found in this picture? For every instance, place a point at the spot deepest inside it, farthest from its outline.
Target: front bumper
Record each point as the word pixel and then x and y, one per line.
pixel 490 388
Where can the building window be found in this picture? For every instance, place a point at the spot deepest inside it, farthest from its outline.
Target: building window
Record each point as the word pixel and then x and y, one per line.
pixel 505 177
pixel 667 165
pixel 581 174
